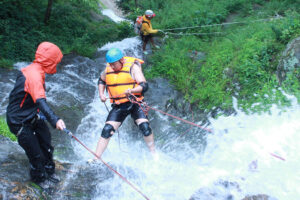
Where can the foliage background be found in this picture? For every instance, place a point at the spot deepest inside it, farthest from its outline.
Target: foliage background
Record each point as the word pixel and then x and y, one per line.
pixel 209 70
pixel 240 62
pixel 4 130
pixel 75 26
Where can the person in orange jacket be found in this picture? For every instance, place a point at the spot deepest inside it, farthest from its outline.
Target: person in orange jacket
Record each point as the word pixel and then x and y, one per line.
pixel 147 31
pixel 27 110
pixel 122 77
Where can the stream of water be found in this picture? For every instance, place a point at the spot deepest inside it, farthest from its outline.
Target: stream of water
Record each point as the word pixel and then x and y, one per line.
pixel 244 155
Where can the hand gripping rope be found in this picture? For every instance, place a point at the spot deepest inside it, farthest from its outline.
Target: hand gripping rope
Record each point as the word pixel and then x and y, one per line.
pixel 122 177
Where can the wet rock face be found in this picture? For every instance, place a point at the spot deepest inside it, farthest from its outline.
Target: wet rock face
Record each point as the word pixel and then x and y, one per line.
pixel 14 177
pixel 7 78
pixel 15 181
pixel 221 190
pixel 290 60
pixel 258 197
pixel 224 190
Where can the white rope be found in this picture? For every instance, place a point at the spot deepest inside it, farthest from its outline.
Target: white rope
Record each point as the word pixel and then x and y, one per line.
pixel 227 23
pixel 192 33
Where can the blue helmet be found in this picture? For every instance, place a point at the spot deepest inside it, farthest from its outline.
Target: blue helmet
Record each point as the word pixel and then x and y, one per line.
pixel 113 55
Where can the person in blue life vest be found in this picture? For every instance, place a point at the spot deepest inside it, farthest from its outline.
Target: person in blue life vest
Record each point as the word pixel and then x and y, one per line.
pixel 27 110
pixel 147 31
pixel 123 76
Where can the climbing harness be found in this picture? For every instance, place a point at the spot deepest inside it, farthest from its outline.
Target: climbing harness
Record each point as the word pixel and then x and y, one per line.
pixel 122 177
pixel 143 105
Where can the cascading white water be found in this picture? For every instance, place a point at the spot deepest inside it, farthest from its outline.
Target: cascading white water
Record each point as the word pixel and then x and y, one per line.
pixel 244 147
pixel 240 153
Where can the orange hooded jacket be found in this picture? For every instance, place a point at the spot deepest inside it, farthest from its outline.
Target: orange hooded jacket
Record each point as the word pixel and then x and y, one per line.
pixel 30 86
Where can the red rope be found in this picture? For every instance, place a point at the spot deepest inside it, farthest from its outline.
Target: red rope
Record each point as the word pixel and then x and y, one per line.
pixel 133 100
pixel 186 121
pixel 276 156
pixel 144 104
pixel 149 107
pixel 122 177
pixel 190 127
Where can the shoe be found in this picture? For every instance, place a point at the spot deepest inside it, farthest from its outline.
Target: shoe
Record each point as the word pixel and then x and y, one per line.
pixel 145 52
pixel 157 47
pixel 46 184
pixel 54 178
pixel 37 176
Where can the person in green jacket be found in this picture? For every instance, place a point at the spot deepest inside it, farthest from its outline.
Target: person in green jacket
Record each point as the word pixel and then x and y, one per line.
pixel 147 31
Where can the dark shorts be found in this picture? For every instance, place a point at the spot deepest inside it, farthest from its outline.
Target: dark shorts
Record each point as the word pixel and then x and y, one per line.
pixel 120 112
pixel 146 38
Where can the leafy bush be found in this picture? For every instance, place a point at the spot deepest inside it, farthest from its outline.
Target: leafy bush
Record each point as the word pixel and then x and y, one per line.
pixel 4 63
pixel 4 130
pixel 241 63
pixel 71 27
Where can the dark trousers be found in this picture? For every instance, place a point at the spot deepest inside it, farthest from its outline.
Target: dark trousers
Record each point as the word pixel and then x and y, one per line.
pixel 35 139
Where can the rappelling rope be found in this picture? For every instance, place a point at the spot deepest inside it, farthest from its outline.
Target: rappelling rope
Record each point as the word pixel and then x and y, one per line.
pixel 213 33
pixel 226 23
pixel 166 31
pixel 143 104
pixel 145 107
pixel 122 177
pixel 191 126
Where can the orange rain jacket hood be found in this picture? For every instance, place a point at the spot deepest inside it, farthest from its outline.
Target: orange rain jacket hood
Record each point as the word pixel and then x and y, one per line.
pixel 48 55
pixel 28 96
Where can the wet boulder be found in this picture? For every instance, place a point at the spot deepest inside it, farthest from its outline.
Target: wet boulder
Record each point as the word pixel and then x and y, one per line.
pixel 14 179
pixel 221 190
pixel 290 60
pixel 225 190
pixel 258 197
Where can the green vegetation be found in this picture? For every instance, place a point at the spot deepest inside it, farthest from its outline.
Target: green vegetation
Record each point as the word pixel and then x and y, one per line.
pixel 240 62
pixel 5 131
pixel 209 69
pixel 4 63
pixel 38 190
pixel 75 26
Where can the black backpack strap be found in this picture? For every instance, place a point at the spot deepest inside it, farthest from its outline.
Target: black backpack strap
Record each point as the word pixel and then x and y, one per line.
pixel 146 23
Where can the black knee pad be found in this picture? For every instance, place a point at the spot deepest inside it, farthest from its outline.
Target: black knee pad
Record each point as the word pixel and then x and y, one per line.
pixel 145 128
pixel 106 132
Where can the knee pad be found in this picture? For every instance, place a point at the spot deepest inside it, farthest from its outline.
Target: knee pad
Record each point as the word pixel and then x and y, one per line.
pixel 106 132
pixel 145 128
